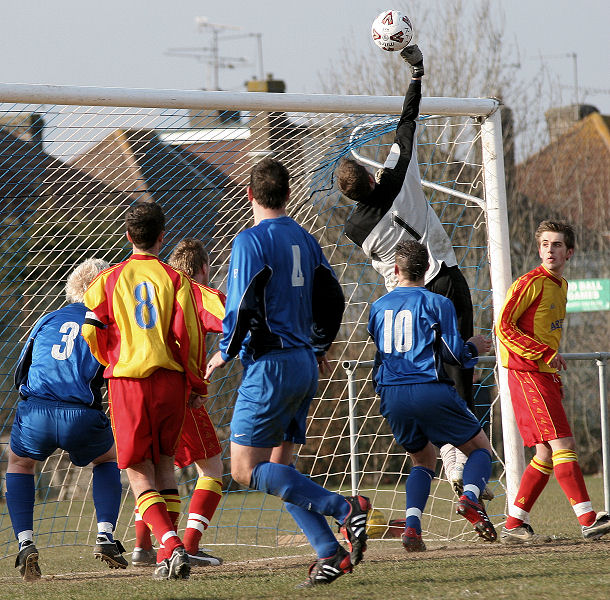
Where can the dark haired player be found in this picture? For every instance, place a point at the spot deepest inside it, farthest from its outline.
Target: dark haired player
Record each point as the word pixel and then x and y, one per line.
pixel 529 331
pixel 284 309
pixel 415 332
pixel 143 325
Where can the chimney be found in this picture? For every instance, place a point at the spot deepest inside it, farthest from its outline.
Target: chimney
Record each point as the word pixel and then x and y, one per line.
pixel 36 131
pixel 272 133
pixel 268 85
pixel 560 119
pixel 224 118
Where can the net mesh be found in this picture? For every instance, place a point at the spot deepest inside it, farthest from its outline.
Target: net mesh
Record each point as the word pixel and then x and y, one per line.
pixel 67 175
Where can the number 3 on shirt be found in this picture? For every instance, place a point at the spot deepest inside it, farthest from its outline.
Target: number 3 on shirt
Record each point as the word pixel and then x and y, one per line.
pixel 70 329
pixel 297 273
pixel 397 331
pixel 145 313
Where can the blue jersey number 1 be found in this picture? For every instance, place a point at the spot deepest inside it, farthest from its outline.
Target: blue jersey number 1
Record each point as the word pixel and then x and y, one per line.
pixel 297 272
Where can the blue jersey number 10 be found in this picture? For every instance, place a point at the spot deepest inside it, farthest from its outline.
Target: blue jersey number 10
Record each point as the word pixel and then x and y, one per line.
pixel 397 331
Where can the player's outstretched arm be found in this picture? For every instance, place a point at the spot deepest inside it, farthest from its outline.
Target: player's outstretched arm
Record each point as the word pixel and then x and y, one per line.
pixel 392 175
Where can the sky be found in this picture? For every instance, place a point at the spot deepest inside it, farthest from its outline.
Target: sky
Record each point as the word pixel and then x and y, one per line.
pixel 125 43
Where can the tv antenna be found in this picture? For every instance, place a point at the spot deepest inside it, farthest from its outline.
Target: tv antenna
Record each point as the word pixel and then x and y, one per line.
pixel 574 58
pixel 211 55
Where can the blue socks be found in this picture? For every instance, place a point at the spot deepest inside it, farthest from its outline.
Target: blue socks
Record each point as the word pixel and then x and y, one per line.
pixel 418 490
pixel 316 530
pixel 305 500
pixel 294 487
pixel 20 501
pixel 477 472
pixel 107 491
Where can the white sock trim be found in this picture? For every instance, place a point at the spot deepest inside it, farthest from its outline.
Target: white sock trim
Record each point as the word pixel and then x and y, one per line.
pixel 194 524
pixel 104 527
pixel 583 508
pixel 471 487
pixel 413 512
pixel 518 513
pixel 27 535
pixel 167 535
pixel 197 517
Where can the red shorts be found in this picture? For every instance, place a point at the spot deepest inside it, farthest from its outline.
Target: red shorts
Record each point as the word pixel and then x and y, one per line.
pixel 537 404
pixel 147 415
pixel 199 440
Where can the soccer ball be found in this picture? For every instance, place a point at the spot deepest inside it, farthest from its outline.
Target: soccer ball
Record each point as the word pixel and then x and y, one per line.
pixel 392 31
pixel 376 524
pixel 396 528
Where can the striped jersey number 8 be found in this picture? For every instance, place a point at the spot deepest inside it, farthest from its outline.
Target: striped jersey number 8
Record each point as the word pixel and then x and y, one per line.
pixel 146 312
pixel 397 331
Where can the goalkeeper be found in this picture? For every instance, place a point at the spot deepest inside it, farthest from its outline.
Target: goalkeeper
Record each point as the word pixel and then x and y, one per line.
pixel 59 383
pixel 391 207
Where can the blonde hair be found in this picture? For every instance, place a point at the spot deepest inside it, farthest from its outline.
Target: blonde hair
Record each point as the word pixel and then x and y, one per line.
pixel 78 281
pixel 189 256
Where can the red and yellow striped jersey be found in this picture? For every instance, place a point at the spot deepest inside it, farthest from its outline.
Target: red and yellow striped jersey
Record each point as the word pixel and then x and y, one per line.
pixel 143 316
pixel 210 306
pixel 530 324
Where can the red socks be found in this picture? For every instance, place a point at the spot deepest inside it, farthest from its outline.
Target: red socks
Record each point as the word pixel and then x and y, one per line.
pixel 203 504
pixel 533 481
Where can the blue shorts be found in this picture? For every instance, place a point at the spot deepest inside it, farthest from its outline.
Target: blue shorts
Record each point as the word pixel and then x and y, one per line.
pixel 419 413
pixel 42 426
pixel 274 398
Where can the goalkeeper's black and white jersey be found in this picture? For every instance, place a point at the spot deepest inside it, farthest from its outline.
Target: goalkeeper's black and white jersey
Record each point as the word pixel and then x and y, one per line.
pixel 397 209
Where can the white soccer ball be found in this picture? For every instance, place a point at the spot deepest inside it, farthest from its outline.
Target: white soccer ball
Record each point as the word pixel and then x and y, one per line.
pixel 392 31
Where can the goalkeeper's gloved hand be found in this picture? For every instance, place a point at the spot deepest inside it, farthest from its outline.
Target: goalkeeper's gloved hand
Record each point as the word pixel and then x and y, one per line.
pixel 413 56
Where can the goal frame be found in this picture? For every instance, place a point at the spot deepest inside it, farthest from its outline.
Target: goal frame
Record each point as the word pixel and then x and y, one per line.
pixel 483 110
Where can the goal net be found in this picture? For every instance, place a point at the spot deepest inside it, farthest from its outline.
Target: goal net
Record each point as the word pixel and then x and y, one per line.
pixel 73 159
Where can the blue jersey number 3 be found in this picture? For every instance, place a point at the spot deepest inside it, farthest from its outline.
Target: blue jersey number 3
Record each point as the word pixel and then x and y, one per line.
pixel 146 313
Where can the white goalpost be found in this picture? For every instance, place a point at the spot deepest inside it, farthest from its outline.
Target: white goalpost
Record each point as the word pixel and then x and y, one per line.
pixel 72 159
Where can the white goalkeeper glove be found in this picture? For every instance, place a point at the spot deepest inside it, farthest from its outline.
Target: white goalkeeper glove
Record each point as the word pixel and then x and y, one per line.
pixel 412 55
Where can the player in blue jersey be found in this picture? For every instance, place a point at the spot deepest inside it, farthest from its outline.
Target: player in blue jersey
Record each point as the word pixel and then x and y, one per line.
pixel 415 332
pixel 59 384
pixel 284 309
